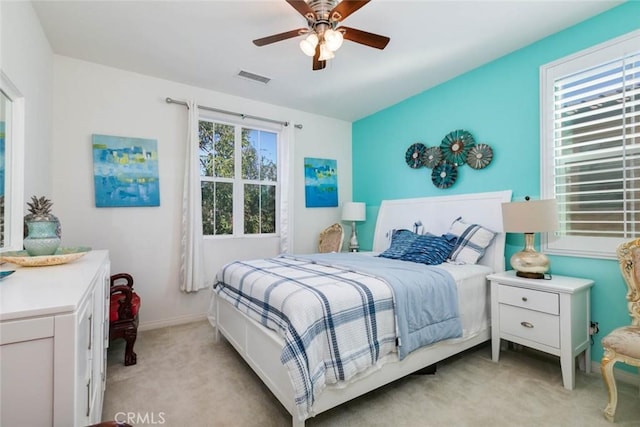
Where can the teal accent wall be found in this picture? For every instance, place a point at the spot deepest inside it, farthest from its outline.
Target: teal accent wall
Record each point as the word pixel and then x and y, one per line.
pixel 499 104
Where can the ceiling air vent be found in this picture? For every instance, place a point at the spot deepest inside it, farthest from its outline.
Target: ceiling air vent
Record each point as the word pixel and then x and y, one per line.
pixel 254 77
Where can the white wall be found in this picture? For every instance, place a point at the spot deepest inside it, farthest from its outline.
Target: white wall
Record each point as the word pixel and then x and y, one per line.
pixel 91 98
pixel 26 58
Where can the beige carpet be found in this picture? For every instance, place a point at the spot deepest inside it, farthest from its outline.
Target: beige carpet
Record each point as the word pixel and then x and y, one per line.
pixel 183 379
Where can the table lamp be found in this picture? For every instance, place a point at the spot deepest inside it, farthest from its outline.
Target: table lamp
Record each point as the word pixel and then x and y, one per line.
pixel 530 217
pixel 354 211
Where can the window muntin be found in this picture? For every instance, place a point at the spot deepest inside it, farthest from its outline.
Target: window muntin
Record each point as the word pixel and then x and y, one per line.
pixel 591 147
pixel 238 172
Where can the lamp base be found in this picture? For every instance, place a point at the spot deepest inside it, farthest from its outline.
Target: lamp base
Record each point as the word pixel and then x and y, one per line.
pixel 353 241
pixel 530 275
pixel 528 263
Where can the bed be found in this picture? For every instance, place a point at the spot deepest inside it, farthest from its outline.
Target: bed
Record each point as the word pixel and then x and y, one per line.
pixel 264 349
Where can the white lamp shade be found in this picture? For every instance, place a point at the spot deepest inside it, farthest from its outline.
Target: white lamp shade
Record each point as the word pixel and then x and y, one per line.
pixel 533 216
pixel 333 39
pixel 354 211
pixel 309 44
pixel 325 53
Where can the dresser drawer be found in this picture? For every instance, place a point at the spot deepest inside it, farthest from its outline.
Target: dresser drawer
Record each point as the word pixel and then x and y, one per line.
pixel 546 302
pixel 26 330
pixel 531 325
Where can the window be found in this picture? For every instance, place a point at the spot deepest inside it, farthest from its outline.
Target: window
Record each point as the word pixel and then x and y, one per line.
pixel 239 179
pixel 591 147
pixel 12 113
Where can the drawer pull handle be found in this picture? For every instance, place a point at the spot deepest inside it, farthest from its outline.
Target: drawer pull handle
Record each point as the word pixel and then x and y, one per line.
pixel 524 299
pixel 526 324
pixel 88 397
pixel 90 331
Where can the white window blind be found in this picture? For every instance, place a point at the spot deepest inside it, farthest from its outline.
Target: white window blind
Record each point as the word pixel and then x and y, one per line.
pixel 591 148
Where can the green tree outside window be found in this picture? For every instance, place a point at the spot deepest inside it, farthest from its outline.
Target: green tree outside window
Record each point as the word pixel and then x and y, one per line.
pixel 256 175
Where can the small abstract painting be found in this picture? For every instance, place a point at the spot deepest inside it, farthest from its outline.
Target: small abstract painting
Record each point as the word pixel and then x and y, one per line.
pixel 125 171
pixel 320 183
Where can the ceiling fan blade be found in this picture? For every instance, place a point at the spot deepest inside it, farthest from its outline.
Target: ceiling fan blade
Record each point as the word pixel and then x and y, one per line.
pixel 365 38
pixel 346 8
pixel 317 64
pixel 303 8
pixel 279 37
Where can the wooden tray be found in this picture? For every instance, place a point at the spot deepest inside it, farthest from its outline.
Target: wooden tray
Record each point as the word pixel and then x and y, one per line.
pixel 62 256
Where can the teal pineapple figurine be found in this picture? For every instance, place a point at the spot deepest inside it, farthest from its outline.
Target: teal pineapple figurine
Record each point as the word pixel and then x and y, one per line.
pixel 42 228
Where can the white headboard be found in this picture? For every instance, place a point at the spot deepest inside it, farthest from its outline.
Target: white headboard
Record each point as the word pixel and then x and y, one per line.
pixel 437 213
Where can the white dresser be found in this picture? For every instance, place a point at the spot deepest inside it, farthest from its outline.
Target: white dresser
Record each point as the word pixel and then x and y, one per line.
pixel 53 339
pixel 548 315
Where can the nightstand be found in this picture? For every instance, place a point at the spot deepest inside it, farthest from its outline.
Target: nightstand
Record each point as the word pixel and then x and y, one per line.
pixel 549 315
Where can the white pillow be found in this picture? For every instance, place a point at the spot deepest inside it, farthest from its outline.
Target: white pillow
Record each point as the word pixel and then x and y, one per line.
pixel 472 241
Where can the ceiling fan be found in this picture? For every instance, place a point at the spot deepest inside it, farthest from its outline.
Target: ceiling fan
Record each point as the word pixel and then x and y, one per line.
pixel 324 32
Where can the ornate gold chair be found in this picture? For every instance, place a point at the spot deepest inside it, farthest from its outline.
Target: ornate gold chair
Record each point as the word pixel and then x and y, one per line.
pixel 331 239
pixel 623 344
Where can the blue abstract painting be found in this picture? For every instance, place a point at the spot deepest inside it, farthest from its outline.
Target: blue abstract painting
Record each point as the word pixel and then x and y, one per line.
pixel 125 171
pixel 320 183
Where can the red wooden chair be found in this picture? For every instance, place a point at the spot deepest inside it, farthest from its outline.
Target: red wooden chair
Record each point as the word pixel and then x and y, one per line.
pixel 123 314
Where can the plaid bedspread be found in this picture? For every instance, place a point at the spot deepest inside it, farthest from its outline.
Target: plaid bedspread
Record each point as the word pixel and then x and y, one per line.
pixel 348 331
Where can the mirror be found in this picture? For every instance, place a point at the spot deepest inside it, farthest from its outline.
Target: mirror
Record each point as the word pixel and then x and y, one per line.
pixel 11 165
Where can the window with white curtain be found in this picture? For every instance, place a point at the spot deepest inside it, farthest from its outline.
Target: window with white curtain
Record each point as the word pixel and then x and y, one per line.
pixel 590 147
pixel 239 179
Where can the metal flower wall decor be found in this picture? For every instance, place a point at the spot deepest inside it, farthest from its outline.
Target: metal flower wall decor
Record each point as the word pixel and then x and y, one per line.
pixel 456 149
pixel 414 155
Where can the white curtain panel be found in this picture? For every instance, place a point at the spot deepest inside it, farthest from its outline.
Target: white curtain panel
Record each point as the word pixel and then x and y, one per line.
pixel 286 148
pixel 192 273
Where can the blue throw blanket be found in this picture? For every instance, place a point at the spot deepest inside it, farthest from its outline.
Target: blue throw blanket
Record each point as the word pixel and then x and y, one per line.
pixel 426 298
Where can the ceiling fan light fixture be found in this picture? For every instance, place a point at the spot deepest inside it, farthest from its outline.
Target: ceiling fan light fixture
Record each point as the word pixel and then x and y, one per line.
pixel 325 53
pixel 324 33
pixel 308 45
pixel 333 39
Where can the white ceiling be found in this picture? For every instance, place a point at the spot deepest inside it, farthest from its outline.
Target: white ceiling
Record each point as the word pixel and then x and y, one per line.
pixel 206 44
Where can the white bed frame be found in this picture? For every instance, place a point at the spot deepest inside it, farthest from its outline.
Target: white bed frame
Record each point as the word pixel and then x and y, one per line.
pixel 261 348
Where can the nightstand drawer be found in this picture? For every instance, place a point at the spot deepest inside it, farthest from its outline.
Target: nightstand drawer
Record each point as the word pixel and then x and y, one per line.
pixel 532 325
pixel 546 302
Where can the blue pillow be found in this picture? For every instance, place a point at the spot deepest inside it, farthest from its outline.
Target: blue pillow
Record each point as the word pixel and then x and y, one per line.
pixel 424 249
pixel 401 241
